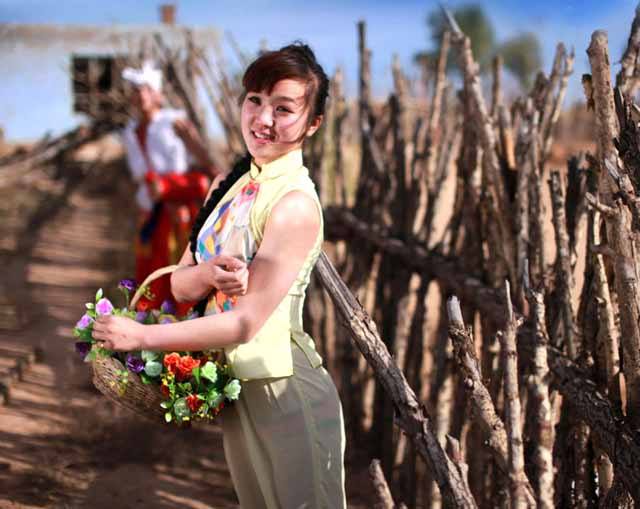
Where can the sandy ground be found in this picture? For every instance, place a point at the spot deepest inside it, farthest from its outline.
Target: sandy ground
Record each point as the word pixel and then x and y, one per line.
pixel 62 444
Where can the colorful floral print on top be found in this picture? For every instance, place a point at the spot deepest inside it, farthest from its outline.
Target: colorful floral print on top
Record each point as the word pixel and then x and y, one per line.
pixel 228 233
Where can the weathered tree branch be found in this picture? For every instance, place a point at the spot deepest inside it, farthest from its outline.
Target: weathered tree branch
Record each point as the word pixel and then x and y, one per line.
pixel 484 410
pixel 500 203
pixel 615 437
pixel 341 223
pixel 539 413
pixel 564 271
pixel 411 416
pixel 618 226
pixel 513 421
pixel 383 498
pixel 626 78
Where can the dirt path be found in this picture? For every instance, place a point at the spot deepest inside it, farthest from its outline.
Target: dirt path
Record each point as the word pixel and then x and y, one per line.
pixel 62 444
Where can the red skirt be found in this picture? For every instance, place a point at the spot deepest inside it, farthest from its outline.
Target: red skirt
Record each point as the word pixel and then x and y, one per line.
pixel 181 197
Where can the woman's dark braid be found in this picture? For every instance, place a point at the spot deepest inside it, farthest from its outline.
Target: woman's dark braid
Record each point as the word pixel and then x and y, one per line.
pixel 241 167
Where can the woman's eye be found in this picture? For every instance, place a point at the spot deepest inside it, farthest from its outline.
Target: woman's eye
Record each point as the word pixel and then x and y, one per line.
pixel 283 109
pixel 254 99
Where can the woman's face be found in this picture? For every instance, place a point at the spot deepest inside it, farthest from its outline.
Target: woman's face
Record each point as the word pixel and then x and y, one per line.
pixel 273 124
pixel 146 100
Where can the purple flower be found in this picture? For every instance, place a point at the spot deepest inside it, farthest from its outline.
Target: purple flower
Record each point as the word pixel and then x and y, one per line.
pixel 167 319
pixel 168 307
pixel 128 284
pixel 84 322
pixel 141 316
pixel 192 316
pixel 104 307
pixel 134 364
pixel 82 347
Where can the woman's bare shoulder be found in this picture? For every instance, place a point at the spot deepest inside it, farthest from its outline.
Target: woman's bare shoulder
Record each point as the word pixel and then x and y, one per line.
pixel 295 209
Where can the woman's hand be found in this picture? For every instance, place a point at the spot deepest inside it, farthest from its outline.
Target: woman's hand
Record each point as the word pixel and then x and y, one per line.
pixel 185 129
pixel 228 274
pixel 118 333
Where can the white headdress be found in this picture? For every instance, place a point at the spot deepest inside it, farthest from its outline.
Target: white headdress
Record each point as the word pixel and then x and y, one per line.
pixel 148 75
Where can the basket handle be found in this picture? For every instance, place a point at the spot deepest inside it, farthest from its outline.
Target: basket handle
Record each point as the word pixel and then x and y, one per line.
pixel 150 278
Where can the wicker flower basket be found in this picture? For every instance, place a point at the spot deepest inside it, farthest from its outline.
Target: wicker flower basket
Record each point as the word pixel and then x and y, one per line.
pixel 143 399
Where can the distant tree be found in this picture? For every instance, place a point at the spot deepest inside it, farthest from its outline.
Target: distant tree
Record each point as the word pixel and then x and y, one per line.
pixel 473 22
pixel 522 56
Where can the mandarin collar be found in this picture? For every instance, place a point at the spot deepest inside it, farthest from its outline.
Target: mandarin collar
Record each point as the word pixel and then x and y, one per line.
pixel 288 162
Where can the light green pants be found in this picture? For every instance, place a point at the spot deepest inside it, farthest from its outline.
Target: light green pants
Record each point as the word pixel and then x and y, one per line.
pixel 284 441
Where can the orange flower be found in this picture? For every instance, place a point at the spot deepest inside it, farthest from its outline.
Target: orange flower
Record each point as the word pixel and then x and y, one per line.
pixel 185 366
pixel 171 362
pixel 164 389
pixel 193 402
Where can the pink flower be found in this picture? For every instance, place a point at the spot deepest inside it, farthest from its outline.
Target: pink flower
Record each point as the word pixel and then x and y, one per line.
pixel 104 307
pixel 84 322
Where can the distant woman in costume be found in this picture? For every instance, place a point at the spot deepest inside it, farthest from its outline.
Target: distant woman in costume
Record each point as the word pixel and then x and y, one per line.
pixel 160 145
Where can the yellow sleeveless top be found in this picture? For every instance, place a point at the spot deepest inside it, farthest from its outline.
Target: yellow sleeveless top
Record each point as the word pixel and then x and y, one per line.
pixel 236 227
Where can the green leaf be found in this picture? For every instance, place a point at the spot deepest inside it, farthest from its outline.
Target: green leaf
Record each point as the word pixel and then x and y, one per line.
pixel 146 379
pixel 195 372
pixel 185 388
pixel 90 305
pixel 214 398
pixel 168 417
pixel 103 352
pixel 99 294
pixel 209 372
pixel 153 368
pixel 148 355
pixel 166 405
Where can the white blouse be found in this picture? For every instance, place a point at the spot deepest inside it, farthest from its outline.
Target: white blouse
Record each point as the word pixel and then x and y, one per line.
pixel 165 151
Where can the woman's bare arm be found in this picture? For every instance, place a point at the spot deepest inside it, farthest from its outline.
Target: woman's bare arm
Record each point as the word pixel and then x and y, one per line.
pixel 290 234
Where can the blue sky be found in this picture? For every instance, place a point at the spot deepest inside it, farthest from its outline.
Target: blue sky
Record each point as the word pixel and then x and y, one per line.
pixel 328 26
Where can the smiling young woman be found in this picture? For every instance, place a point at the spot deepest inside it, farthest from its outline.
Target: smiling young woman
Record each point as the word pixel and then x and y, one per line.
pixel 253 247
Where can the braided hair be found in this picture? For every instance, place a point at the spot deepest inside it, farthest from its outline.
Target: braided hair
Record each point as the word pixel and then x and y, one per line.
pixel 241 167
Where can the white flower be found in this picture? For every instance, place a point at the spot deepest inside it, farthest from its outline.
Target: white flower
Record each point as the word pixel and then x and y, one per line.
pixel 232 390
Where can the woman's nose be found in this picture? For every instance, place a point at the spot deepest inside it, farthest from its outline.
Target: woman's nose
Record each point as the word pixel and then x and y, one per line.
pixel 265 116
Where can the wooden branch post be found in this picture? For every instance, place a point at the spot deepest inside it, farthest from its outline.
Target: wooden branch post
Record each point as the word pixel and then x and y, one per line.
pixel 618 226
pixel 411 416
pixel 484 411
pixel 384 500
